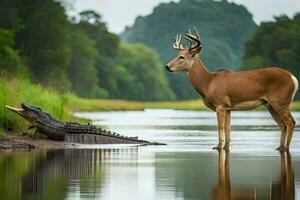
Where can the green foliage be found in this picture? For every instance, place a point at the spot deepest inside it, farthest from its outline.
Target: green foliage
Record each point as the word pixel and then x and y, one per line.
pixel 9 18
pixel 275 44
pixel 107 45
pixel 81 70
pixel 223 27
pixel 9 57
pixel 44 40
pixel 140 75
pixel 19 166
pixel 15 91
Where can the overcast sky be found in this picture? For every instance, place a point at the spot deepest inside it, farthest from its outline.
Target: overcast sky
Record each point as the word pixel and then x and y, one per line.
pixel 120 13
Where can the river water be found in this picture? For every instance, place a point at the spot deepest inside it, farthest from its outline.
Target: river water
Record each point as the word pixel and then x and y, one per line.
pixel 185 168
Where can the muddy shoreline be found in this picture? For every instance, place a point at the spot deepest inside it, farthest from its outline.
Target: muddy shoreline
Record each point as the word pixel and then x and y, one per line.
pixel 13 141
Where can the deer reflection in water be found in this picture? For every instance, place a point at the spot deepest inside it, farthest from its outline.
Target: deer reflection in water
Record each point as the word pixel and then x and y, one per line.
pixel 223 189
pixel 284 190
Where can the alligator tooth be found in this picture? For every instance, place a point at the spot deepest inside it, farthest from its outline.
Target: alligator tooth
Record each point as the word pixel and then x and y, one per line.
pixel 17 110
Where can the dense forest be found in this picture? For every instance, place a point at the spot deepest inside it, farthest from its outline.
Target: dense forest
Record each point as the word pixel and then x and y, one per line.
pixel 39 41
pixel 223 27
pixel 275 44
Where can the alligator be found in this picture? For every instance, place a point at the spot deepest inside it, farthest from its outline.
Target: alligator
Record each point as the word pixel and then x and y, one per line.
pixel 72 132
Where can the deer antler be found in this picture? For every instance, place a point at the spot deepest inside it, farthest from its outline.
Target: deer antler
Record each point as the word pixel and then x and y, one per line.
pixel 193 38
pixel 177 44
pixel 190 37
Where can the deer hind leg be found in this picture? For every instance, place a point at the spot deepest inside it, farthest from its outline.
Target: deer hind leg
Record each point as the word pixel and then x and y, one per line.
pixel 221 115
pixel 227 129
pixel 291 131
pixel 280 123
pixel 290 123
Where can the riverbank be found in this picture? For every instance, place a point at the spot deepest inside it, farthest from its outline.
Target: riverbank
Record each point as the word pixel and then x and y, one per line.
pixel 94 105
pixel 13 141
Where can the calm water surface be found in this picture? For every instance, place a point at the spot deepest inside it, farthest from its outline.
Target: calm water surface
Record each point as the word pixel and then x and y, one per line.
pixel 186 168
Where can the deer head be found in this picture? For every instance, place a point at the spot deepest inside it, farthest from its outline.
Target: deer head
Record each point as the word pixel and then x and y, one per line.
pixel 186 56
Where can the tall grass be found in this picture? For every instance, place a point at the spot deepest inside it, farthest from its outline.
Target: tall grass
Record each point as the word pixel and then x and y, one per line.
pixel 14 91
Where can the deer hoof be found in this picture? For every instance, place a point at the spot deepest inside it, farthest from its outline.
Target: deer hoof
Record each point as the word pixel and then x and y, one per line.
pixel 226 147
pixel 217 147
pixel 281 149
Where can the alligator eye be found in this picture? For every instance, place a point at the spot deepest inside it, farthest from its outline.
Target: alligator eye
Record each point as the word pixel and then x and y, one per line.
pixel 38 108
pixel 181 57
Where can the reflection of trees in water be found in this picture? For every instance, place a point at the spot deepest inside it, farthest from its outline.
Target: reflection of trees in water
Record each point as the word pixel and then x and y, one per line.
pixel 62 168
pixel 190 175
pixel 196 177
pixel 60 173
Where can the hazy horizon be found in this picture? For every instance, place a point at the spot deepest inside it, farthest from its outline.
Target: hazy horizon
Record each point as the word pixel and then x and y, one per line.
pixel 113 12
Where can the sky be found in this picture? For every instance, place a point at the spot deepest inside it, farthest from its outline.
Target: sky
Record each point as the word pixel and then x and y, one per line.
pixel 121 13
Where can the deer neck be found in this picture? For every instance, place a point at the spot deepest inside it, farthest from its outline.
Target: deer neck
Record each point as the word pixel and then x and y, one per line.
pixel 199 77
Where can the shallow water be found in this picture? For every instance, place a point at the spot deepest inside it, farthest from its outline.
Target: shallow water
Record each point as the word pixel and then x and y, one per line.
pixel 186 168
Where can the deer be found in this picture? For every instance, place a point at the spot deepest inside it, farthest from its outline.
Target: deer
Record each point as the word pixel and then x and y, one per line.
pixel 224 91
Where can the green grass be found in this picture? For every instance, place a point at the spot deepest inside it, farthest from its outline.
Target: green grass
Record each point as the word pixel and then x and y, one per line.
pixel 179 105
pixel 79 104
pixel 295 106
pixel 15 91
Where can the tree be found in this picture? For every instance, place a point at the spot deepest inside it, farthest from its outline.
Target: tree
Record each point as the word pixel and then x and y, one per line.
pixel 9 18
pixel 81 70
pixel 106 43
pixel 275 44
pixel 9 57
pixel 44 40
pixel 139 74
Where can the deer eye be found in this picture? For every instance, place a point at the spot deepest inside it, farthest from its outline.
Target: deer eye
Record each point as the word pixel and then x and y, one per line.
pixel 181 57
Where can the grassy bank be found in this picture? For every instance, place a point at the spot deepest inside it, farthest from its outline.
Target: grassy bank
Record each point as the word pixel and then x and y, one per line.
pixel 14 91
pixel 78 104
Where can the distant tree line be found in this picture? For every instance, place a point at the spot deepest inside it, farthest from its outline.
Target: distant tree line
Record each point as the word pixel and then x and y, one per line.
pixel 37 40
pixel 275 43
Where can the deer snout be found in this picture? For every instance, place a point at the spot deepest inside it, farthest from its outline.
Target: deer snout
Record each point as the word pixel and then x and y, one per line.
pixel 168 68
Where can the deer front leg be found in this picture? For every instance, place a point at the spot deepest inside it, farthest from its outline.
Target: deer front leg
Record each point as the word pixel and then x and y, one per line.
pixel 227 129
pixel 221 115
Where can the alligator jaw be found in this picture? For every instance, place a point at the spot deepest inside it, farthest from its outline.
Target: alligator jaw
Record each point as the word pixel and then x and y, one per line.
pixel 16 110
